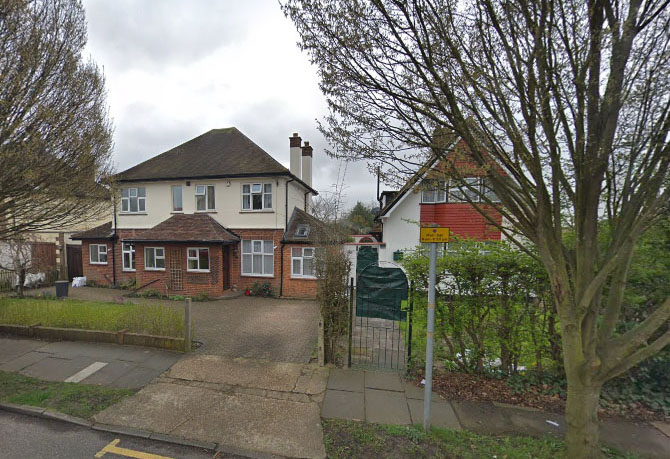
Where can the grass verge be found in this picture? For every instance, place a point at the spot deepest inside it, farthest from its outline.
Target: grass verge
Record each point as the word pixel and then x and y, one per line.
pixel 79 400
pixel 93 315
pixel 351 439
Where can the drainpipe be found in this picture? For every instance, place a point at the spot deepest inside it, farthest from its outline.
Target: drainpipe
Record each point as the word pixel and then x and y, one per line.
pixel 281 255
pixel 113 242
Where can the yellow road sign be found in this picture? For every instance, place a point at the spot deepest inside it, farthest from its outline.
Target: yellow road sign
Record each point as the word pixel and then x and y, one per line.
pixel 111 448
pixel 429 234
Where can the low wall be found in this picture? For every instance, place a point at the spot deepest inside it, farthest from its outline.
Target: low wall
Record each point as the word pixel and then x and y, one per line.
pixel 93 336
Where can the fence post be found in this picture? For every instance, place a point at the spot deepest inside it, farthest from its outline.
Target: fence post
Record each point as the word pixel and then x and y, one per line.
pixel 351 318
pixel 409 325
pixel 187 325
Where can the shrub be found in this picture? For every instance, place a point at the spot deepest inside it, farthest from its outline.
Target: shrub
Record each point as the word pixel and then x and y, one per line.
pixel 152 293
pixel 177 297
pixel 202 296
pixel 130 284
pixel 261 289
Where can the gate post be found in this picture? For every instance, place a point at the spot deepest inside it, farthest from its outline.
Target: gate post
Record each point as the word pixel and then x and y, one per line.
pixel 351 318
pixel 409 325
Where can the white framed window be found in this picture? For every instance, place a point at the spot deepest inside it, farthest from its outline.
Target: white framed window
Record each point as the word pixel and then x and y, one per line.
pixel 177 202
pixel 133 200
pixel 257 258
pixel 257 196
pixel 435 191
pixel 128 251
pixel 469 187
pixel 197 259
pixel 97 254
pixel 154 258
pixel 302 262
pixel 204 198
pixel 487 190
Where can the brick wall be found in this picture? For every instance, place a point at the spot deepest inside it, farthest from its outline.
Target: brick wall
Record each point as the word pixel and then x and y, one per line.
pixel 296 287
pixel 462 219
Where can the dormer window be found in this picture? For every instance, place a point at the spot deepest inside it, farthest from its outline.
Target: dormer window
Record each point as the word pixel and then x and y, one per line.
pixel 302 230
pixel 133 200
pixel 257 196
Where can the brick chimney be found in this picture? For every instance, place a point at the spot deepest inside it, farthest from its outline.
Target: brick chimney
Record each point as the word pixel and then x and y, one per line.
pixel 307 164
pixel 294 143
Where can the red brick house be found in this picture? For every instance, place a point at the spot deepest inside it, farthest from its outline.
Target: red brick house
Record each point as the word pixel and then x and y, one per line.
pixel 215 213
pixel 431 198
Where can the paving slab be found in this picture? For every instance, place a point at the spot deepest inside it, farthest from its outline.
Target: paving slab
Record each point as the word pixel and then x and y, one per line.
pixel 349 380
pixel 278 427
pixel 11 348
pixel 482 417
pixel 135 378
pixel 55 369
pixel 110 373
pixel 413 392
pixel 534 422
pixel 664 427
pixel 441 414
pixel 338 404
pixel 383 381
pixel 312 383
pixel 386 407
pixel 642 439
pixel 23 361
pixel 263 374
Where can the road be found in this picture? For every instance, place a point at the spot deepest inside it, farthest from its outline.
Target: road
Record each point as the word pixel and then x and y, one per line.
pixel 24 436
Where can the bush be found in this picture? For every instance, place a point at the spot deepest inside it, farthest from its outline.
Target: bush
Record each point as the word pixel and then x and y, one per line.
pixel 493 311
pixel 152 293
pixel 202 296
pixel 261 289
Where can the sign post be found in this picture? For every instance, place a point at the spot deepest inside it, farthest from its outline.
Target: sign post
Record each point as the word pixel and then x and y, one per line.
pixel 433 236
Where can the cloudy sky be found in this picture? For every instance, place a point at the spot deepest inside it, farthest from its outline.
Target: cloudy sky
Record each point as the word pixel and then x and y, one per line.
pixel 176 69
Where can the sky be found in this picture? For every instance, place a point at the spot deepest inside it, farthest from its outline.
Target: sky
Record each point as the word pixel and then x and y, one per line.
pixel 175 69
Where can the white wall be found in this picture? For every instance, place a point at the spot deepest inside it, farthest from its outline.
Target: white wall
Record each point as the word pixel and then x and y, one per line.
pixel 228 201
pixel 401 228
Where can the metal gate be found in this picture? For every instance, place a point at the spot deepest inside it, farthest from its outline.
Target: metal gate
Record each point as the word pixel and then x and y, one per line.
pixel 380 319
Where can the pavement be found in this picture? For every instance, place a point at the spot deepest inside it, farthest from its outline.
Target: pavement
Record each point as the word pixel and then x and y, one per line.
pixel 384 397
pixel 129 367
pixel 253 327
pixel 244 404
pixel 36 437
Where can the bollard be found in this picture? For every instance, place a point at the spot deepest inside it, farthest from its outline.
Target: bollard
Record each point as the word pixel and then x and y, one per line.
pixel 187 325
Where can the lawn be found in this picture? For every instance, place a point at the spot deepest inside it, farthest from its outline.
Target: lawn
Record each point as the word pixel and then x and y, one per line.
pixel 74 399
pixel 351 439
pixel 91 315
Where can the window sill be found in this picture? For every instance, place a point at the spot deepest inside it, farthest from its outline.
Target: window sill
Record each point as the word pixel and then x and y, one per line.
pixel 201 271
pixel 204 212
pixel 293 276
pixel 154 269
pixel 267 276
pixel 177 212
pixel 132 213
pixel 97 263
pixel 128 270
pixel 263 211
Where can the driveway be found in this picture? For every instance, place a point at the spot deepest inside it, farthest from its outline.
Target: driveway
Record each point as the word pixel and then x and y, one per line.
pixel 252 327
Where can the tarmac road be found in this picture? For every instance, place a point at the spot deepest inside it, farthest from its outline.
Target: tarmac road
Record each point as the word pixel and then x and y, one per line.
pixel 30 437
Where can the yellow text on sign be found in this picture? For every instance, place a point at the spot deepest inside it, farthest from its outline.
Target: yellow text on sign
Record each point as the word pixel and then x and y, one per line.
pixel 434 235
pixel 113 449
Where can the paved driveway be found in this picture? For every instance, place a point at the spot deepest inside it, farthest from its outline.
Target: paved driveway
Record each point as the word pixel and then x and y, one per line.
pixel 252 327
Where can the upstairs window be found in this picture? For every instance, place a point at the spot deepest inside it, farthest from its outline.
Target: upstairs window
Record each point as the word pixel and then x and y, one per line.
pixel 257 196
pixel 177 203
pixel 435 191
pixel 97 254
pixel 302 230
pixel 472 190
pixel 133 200
pixel 204 198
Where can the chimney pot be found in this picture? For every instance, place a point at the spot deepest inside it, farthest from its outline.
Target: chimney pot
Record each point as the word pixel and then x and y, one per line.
pixel 295 134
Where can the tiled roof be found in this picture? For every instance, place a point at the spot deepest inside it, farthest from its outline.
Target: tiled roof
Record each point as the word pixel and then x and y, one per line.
pixel 103 231
pixel 217 153
pixel 187 228
pixel 316 230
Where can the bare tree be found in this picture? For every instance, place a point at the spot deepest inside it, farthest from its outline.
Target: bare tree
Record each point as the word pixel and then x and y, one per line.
pixel 55 136
pixel 569 98
pixel 16 256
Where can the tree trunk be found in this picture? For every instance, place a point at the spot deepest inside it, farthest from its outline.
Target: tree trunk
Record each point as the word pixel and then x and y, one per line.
pixel 582 417
pixel 22 281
